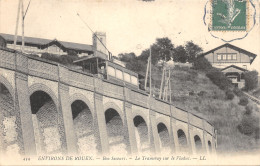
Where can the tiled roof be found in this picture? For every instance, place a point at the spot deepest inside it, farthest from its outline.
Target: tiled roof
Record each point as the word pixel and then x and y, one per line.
pixel 42 42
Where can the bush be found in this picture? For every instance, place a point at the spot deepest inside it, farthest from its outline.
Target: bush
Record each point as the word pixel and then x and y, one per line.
pixel 229 95
pixel 219 79
pixel 201 63
pixel 191 93
pixel 202 93
pixel 249 109
pixel 251 80
pixel 63 59
pixel 246 127
pixel 249 125
pixel 238 92
pixel 243 101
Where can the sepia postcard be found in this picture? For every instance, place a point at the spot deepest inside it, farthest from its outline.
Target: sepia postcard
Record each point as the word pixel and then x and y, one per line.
pixel 129 82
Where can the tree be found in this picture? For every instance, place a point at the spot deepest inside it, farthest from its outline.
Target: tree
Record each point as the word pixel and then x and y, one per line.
pixel 132 62
pixel 63 59
pixel 251 80
pixel 219 78
pixel 127 57
pixel 193 50
pixel 72 53
pixel 136 66
pixel 180 54
pixel 160 50
pixel 164 48
pixel 201 63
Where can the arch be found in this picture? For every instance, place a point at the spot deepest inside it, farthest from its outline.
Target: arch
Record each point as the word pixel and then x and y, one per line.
pixel 115 131
pixel 209 146
pixel 164 121
pixel 112 105
pixel 164 137
pixel 8 85
pixel 141 113
pixel 78 96
pixel 182 140
pixel 83 127
pixel 45 120
pixel 142 134
pixel 198 144
pixel 9 137
pixel 196 131
pixel 41 87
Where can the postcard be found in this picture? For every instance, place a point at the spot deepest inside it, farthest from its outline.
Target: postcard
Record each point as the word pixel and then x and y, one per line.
pixel 129 82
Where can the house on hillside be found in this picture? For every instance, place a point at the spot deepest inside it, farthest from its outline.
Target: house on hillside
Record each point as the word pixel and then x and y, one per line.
pixel 231 60
pixel 38 45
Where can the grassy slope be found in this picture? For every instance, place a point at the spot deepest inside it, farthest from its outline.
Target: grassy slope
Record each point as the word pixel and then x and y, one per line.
pixel 224 114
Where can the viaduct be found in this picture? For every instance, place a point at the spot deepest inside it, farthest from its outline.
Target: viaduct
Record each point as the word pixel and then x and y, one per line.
pixel 47 108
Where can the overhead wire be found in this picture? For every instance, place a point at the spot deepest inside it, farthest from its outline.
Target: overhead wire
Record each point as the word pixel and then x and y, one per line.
pixel 110 54
pixel 27 9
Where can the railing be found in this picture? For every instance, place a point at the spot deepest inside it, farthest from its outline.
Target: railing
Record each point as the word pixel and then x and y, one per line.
pixel 53 71
pixel 254 99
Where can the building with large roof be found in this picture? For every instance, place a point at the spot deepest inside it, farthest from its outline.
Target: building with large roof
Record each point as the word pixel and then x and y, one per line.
pixel 232 60
pixel 39 45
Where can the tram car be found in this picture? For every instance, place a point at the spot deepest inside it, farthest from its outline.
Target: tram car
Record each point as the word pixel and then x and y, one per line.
pixel 112 70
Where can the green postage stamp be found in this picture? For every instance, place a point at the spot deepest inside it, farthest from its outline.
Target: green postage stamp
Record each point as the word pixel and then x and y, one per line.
pixel 229 15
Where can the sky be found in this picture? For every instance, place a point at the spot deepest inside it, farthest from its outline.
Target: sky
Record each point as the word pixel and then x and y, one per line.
pixel 130 25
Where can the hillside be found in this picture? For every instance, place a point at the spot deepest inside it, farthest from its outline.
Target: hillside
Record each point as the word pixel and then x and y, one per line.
pixel 194 91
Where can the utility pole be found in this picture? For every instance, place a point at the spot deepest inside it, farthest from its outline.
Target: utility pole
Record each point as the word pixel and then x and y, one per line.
pixel 165 88
pixel 23 16
pixel 20 5
pixel 17 21
pixel 149 70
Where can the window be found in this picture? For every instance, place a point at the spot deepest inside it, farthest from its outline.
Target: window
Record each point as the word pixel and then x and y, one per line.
pixel 229 56
pixel 234 56
pixel 224 57
pixel 111 71
pixel 219 56
pixel 134 80
pixel 10 45
pixel 127 77
pixel 119 74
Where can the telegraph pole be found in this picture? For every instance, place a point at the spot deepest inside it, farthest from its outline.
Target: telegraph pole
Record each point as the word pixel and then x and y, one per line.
pixel 23 16
pixel 149 70
pixel 17 21
pixel 20 5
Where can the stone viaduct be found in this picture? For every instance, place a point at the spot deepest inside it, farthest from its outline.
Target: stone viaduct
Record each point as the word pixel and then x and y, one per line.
pixel 47 108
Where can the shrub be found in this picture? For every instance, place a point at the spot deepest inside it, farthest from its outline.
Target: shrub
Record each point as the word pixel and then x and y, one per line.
pixel 251 80
pixel 229 95
pixel 202 93
pixel 219 79
pixel 243 101
pixel 249 109
pixel 51 57
pixel 257 133
pixel 238 92
pixel 191 93
pixel 201 63
pixel 249 125
pixel 63 59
